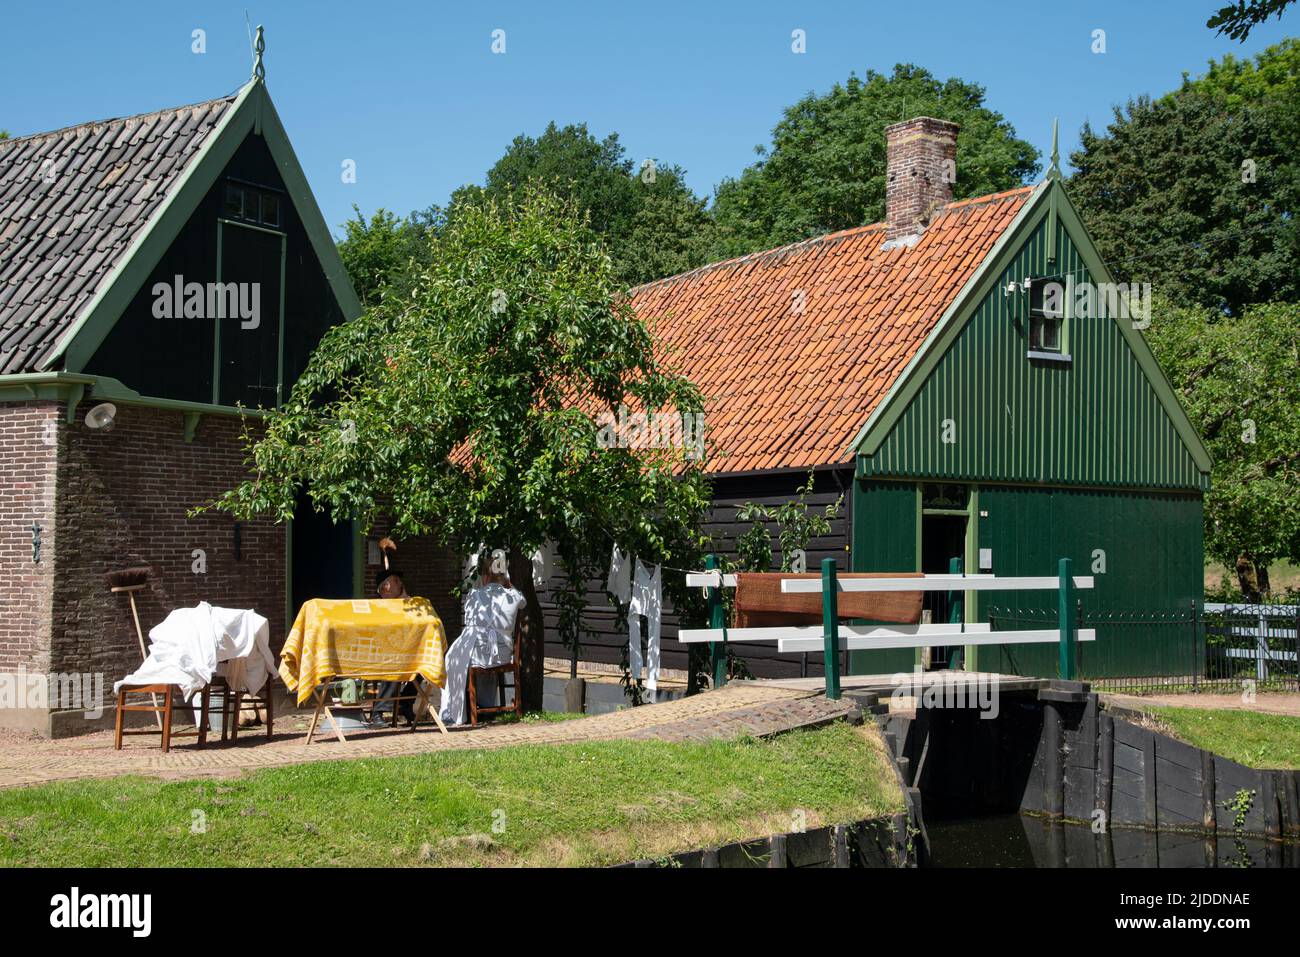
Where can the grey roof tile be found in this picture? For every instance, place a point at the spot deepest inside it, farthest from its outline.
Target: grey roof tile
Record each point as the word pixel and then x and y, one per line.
pixel 59 240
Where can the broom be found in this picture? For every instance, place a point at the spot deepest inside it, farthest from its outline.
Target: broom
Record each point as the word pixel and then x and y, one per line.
pixel 130 581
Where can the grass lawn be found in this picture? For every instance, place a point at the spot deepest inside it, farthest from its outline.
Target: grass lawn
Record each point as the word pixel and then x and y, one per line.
pixel 1253 738
pixel 573 805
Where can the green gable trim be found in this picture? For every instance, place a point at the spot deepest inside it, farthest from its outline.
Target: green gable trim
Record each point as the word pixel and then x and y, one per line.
pixel 958 313
pixel 251 112
pixel 48 386
pixel 1114 418
pixel 111 390
pixel 74 387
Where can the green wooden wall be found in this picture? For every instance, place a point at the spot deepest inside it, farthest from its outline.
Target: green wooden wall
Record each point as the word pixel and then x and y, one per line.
pixel 1074 459
pixel 1094 421
pixel 884 540
pixel 1150 543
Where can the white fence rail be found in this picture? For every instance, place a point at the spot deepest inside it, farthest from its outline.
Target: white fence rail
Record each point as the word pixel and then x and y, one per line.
pixel 832 637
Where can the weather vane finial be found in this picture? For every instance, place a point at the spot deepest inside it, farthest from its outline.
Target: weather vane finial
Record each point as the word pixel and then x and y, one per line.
pixel 259 47
pixel 1054 171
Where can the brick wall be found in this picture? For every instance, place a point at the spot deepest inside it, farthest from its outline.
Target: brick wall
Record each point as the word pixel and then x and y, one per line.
pixel 918 178
pixel 118 499
pixel 123 500
pixel 29 436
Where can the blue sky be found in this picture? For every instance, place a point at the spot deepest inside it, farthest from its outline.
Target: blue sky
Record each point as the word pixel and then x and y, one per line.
pixel 413 93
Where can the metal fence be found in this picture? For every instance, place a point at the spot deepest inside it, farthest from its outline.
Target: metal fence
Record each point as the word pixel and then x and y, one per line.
pixel 1225 648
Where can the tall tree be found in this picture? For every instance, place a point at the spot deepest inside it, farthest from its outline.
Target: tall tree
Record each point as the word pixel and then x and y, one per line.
pixel 452 410
pixel 825 169
pixel 648 217
pixel 1197 192
pixel 1236 376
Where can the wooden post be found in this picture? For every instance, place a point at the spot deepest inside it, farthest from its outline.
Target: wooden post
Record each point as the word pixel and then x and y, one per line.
pixel 717 619
pixel 956 611
pixel 1069 626
pixel 831 628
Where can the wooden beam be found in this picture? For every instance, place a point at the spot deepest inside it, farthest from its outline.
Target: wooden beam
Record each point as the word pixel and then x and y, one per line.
pixel 803 586
pixel 1036 637
pixel 693 635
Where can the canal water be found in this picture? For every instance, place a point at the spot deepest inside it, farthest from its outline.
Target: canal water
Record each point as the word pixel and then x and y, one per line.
pixel 1022 840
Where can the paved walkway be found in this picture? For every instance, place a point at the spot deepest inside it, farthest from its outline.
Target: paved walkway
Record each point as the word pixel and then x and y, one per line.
pixel 740 708
pixel 1271 702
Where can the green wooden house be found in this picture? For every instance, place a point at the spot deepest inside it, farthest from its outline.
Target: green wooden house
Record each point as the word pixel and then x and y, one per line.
pixel 975 380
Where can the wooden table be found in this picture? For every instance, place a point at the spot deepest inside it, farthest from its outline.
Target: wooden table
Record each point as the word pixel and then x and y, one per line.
pixel 396 639
pixel 324 706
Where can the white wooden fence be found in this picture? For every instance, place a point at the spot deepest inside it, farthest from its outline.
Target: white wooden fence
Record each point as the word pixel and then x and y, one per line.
pixel 832 637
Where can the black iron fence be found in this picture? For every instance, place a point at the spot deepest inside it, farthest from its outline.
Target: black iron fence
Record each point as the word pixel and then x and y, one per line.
pixel 1221 648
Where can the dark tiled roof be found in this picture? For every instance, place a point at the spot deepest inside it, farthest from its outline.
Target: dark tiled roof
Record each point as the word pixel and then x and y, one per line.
pixel 789 386
pixel 71 203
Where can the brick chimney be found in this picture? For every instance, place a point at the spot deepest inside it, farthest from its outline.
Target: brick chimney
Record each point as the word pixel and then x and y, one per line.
pixel 920 168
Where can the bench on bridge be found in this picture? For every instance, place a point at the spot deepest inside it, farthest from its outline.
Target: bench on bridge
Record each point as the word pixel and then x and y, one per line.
pixel 832 636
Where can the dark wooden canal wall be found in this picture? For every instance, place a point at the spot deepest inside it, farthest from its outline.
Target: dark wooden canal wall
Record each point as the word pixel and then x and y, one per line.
pixel 1058 752
pixel 877 842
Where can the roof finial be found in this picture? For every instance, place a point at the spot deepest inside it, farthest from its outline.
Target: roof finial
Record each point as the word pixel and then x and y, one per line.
pixel 1053 171
pixel 259 71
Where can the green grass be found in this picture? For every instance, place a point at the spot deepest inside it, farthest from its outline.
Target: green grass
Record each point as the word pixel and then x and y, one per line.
pixel 579 804
pixel 1256 739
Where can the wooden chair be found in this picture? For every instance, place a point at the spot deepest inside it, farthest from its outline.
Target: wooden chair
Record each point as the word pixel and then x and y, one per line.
pixel 232 702
pixel 170 700
pixel 499 672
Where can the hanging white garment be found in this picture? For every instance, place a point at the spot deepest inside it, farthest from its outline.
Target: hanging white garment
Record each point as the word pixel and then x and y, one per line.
pixel 646 599
pixel 469 570
pixel 543 565
pixel 487 639
pixel 620 576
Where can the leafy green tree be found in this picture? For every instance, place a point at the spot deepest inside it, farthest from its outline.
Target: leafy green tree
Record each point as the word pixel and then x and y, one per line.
pixel 1197 192
pixel 825 169
pixel 648 217
pixel 465 409
pixel 1236 376
pixel 383 253
pixel 1236 20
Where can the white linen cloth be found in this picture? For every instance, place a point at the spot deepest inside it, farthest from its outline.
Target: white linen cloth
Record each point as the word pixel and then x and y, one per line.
pixel 646 599
pixel 193 644
pixel 486 639
pixel 620 576
pixel 543 565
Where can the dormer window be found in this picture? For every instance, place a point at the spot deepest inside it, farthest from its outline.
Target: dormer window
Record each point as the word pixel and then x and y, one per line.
pixel 1048 314
pixel 252 204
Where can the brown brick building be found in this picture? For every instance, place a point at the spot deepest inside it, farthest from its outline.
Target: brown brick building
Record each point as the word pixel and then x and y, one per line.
pixel 174 266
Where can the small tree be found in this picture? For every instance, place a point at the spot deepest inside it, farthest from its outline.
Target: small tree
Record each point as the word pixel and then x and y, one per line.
pixel 796 527
pixel 465 410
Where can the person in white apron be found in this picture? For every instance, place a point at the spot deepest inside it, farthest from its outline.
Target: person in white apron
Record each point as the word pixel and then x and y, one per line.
pixel 486 639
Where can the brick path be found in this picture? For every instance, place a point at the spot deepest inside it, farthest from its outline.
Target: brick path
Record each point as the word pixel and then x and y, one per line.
pixel 739 708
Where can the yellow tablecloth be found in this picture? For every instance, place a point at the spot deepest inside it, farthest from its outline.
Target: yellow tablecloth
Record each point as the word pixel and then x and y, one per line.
pixel 392 639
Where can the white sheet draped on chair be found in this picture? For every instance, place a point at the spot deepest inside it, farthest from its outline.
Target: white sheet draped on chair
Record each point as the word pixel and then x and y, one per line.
pixel 487 639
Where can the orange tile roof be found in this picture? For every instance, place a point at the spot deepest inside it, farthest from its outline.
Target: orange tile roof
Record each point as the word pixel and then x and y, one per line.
pixel 784 390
